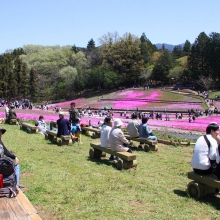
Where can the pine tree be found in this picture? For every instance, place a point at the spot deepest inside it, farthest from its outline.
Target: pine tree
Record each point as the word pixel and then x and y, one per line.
pixel 91 45
pixel 186 48
pixel 33 84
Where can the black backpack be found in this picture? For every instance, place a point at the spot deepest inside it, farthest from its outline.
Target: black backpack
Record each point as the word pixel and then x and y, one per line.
pixel 7 169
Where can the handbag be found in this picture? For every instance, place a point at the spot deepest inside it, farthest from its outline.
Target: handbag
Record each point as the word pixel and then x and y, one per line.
pixel 215 166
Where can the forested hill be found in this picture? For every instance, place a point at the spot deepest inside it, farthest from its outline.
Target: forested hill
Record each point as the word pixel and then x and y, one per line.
pixel 52 72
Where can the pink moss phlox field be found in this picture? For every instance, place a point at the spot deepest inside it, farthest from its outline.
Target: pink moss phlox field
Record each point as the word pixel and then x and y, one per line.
pixel 134 103
pixel 181 106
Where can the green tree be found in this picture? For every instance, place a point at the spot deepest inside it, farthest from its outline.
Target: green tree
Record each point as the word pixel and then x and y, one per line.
pixel 91 45
pixel 197 60
pixel 24 80
pixel 79 83
pixel 75 49
pixel 177 52
pixel 186 48
pixel 213 55
pixel 124 57
pixel 147 48
pixel 18 74
pixel 33 84
pixel 162 67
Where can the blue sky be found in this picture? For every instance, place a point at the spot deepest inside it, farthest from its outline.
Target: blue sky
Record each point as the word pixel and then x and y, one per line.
pixel 69 22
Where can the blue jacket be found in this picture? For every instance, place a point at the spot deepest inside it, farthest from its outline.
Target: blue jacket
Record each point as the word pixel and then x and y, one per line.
pixel 144 131
pixel 63 127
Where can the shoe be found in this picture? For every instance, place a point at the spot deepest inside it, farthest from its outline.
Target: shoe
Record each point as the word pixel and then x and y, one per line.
pixel 20 186
pixel 80 143
pixel 116 160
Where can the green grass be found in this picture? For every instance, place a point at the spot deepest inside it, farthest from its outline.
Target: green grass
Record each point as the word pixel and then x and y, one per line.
pixel 63 183
pixel 214 94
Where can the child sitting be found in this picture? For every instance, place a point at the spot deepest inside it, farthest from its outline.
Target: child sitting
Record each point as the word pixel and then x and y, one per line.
pixel 76 132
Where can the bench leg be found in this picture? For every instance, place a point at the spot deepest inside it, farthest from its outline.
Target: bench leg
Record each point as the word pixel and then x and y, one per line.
pixel 64 142
pixel 154 147
pixel 94 136
pixel 123 164
pixel 52 138
pixel 197 190
pixel 94 153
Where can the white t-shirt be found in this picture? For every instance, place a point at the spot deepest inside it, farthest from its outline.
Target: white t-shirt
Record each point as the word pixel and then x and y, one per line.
pixel 202 154
pixel 104 137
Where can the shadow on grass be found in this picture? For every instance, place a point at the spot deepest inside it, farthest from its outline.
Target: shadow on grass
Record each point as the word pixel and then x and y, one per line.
pixel 211 199
pixel 103 161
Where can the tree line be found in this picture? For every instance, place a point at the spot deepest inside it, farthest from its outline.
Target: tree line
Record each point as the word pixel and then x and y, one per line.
pixel 54 72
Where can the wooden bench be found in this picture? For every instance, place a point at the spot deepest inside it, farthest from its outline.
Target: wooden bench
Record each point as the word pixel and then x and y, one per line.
pixel 96 131
pixel 13 121
pixel 17 208
pixel 149 145
pixel 29 128
pixel 52 136
pixel 127 160
pixel 202 185
pixel 54 123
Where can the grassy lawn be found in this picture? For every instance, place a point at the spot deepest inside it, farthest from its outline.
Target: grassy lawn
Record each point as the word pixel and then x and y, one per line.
pixel 63 183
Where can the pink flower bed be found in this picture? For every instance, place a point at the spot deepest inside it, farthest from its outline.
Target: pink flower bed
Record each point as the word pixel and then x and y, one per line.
pixel 134 99
pixel 135 103
pixel 181 106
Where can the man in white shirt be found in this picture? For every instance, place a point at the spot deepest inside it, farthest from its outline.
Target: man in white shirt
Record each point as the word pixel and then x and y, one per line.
pixel 203 155
pixel 133 126
pixel 105 131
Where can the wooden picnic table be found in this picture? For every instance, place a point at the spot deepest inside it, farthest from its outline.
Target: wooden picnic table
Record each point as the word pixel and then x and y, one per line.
pixel 17 208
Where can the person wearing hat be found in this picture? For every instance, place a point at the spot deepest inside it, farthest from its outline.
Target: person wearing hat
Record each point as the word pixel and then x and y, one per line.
pixel 117 138
pixel 5 152
pixel 206 151
pixel 64 125
pixel 74 114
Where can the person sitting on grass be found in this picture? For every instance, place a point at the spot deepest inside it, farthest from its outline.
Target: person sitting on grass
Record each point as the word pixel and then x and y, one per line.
pixel 64 125
pixel 5 152
pixel 145 131
pixel 205 150
pixel 105 131
pixel 117 138
pixel 133 126
pixel 76 131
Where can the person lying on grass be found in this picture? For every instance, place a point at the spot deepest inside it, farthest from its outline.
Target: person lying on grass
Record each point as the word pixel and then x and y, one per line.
pixel 117 138
pixel 206 152
pixel 145 131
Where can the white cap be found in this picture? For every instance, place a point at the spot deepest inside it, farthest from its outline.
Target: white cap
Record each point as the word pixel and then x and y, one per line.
pixel 118 122
pixel 61 113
